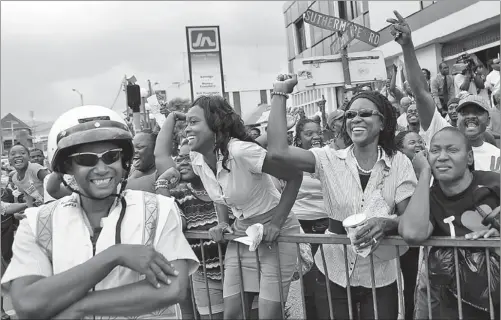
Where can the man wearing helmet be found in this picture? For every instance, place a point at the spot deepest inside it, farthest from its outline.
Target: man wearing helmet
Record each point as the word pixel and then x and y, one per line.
pixel 98 252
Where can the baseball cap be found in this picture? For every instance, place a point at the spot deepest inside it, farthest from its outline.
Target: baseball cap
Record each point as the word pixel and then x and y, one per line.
pixel 474 99
pixel 334 115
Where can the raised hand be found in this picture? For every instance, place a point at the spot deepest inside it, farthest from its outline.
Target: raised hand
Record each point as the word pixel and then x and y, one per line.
pixel 399 29
pixel 285 83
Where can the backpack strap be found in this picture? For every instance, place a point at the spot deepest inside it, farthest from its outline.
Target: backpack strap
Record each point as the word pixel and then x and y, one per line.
pixel 44 228
pixel 150 217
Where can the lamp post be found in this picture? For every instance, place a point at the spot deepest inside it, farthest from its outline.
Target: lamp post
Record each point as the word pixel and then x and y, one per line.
pixel 81 96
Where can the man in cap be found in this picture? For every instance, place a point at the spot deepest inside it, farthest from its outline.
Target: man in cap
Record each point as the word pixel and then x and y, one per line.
pixel 335 124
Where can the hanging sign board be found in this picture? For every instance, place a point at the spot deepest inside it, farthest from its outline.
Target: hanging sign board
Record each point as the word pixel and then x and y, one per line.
pixel 349 29
pixel 320 71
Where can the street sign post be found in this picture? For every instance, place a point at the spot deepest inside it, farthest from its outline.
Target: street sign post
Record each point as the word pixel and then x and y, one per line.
pixel 346 31
pixel 350 29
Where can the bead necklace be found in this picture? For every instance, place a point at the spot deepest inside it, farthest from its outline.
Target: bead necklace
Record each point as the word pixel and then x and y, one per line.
pixel 362 170
pixel 197 193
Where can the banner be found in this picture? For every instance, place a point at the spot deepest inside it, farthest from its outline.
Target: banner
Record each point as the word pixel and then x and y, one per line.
pixel 349 29
pixel 155 109
pixel 205 61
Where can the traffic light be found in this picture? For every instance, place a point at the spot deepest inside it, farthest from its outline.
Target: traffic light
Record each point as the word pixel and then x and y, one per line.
pixel 134 97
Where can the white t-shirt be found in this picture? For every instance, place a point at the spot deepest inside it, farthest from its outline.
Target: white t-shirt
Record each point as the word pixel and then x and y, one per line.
pixel 402 120
pixel 309 203
pixel 458 81
pixel 486 157
pixel 492 81
pixel 437 123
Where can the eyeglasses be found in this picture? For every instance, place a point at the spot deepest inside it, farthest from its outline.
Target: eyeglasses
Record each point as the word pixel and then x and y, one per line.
pixel 363 113
pixel 90 159
pixel 181 159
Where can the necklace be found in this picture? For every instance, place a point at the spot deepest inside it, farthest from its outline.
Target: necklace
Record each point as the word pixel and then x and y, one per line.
pixel 197 193
pixel 362 170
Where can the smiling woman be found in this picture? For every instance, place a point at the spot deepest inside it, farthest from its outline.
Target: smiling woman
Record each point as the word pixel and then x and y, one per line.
pixel 144 174
pixel 235 171
pixel 369 177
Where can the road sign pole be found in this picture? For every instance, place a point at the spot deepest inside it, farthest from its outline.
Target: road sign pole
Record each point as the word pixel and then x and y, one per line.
pixel 346 65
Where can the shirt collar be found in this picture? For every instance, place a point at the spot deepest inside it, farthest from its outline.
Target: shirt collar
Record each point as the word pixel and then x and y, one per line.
pixel 344 153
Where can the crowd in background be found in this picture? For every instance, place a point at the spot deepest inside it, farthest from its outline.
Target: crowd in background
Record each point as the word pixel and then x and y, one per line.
pixel 407 158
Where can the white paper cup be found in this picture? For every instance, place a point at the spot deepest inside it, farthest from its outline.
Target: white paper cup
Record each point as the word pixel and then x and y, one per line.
pixel 352 224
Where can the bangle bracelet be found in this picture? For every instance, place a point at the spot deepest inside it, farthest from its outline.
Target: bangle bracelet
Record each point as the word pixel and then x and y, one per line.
pixel 283 94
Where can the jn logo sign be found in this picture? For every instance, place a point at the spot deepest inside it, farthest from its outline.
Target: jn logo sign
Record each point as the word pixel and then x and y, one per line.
pixel 203 40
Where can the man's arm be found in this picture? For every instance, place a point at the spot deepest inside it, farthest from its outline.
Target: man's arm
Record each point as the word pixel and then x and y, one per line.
pixel 137 298
pixel 424 100
pixel 34 297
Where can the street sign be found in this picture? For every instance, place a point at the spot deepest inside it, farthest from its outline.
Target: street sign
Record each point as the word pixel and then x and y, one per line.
pixel 349 29
pixel 320 71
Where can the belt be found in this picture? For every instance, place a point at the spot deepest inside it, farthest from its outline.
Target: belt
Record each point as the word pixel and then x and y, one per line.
pixel 336 226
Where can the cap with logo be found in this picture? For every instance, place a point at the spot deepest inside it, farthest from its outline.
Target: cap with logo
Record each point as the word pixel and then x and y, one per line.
pixel 473 100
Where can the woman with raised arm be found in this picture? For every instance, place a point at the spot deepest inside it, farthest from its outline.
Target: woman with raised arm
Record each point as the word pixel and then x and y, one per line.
pixel 199 213
pixel 235 170
pixel 369 177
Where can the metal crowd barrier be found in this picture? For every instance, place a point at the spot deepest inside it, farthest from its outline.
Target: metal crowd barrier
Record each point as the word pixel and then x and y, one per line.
pixel 343 240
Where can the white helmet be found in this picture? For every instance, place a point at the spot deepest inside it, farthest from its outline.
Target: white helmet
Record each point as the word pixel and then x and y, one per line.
pixel 87 124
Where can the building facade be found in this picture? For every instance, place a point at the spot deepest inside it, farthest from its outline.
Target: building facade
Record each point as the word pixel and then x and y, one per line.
pixel 15 131
pixel 442 31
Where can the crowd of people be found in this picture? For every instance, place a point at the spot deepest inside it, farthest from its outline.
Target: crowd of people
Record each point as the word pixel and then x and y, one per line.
pixel 99 231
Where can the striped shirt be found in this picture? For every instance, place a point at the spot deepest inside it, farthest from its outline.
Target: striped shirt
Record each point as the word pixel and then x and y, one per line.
pixel 392 180
pixel 200 216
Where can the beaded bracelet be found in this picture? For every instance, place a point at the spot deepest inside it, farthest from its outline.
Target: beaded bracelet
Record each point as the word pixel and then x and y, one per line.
pixel 283 94
pixel 163 183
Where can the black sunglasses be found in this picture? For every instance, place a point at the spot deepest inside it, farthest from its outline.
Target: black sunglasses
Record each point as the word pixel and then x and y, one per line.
pixel 90 159
pixel 363 113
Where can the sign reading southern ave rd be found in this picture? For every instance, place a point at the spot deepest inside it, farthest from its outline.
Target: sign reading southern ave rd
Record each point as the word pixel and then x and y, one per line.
pixel 349 29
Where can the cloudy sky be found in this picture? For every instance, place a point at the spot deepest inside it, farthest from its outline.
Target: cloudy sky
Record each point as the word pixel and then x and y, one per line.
pixel 49 48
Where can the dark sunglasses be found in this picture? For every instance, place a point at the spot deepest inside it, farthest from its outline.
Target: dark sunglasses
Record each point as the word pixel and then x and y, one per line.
pixel 181 159
pixel 90 159
pixel 363 113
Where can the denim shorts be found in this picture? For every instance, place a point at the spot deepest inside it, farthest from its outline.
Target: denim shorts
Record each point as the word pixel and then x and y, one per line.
pixel 215 295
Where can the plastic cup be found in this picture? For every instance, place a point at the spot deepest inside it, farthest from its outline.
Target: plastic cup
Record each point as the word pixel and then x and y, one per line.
pixel 352 224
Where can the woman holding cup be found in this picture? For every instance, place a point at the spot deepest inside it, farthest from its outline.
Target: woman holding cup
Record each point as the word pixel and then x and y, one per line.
pixel 370 178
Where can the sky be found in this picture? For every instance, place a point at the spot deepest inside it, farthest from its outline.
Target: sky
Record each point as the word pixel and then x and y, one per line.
pixel 49 48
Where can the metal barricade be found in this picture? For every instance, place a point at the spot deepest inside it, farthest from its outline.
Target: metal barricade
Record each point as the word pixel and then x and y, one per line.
pixel 395 241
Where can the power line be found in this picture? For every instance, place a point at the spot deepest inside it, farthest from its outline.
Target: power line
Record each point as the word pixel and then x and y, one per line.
pixel 118 93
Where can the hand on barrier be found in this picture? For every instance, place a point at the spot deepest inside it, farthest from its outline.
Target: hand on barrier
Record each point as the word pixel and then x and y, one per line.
pixel 216 233
pixel 270 232
pixel 370 234
pixel 147 261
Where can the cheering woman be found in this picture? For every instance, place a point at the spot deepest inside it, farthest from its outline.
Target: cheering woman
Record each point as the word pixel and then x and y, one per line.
pixel 368 177
pixel 234 170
